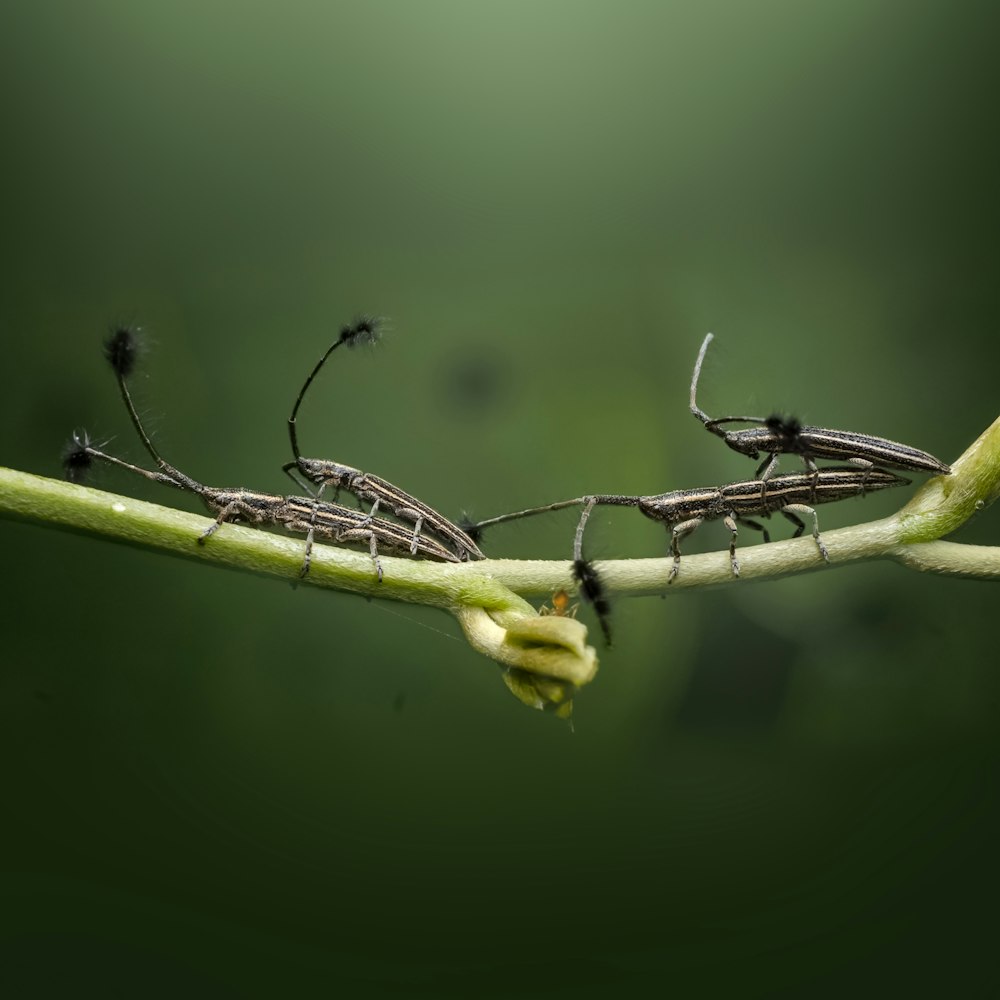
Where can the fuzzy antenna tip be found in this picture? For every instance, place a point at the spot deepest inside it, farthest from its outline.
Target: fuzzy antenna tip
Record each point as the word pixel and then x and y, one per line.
pixel 121 348
pixel 76 459
pixel 362 329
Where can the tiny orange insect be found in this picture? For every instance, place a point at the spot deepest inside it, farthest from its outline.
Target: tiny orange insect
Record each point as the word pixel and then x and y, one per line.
pixel 561 608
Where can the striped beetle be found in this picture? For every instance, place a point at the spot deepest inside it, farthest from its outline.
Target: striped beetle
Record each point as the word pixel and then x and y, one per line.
pixel 365 485
pixel 307 515
pixel 778 435
pixel 682 511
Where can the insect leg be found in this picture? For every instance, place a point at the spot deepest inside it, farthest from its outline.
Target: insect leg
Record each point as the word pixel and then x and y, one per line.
pixel 373 551
pixel 311 530
pixel 798 522
pixel 303 484
pixel 812 467
pixel 373 511
pixel 791 510
pixel 227 513
pixel 307 556
pixel 359 533
pixel 678 532
pixel 764 472
pixel 756 526
pixel 416 534
pixel 766 468
pixel 408 514
pixel 730 522
pixel 867 466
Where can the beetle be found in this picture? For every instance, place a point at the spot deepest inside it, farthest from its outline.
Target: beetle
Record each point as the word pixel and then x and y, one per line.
pixel 777 435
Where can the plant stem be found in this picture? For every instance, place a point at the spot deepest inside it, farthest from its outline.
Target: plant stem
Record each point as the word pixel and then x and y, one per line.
pixel 486 596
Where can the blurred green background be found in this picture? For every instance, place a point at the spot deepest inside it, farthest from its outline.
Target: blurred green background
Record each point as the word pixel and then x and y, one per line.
pixel 216 784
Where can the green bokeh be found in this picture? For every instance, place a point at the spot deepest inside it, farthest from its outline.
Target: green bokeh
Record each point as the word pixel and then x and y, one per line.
pixel 218 785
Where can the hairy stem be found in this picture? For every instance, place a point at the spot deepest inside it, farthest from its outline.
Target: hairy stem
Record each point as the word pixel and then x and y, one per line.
pixel 546 659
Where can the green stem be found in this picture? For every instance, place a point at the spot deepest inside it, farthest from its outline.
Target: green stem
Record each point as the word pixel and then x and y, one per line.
pixel 546 658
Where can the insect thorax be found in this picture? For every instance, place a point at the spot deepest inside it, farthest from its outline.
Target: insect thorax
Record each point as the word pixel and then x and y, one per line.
pixel 751 441
pixel 246 504
pixel 322 471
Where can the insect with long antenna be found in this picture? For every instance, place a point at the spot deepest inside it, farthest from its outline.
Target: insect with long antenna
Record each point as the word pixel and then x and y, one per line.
pixel 682 511
pixel 306 515
pixel 776 435
pixel 302 515
pixel 366 486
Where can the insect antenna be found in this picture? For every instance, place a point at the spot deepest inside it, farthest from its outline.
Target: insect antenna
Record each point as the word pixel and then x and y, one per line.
pixel 695 408
pixel 471 528
pixel 592 589
pixel 79 455
pixel 591 585
pixel 122 350
pixel 361 330
pixel 714 425
pixel 77 460
pixel 475 529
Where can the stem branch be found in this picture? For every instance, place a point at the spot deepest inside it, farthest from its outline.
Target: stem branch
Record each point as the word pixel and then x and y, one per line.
pixel 545 659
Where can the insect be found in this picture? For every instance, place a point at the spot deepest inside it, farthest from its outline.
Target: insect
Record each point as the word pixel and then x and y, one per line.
pixel 307 515
pixel 682 511
pixel 365 486
pixel 777 435
pixel 561 608
pixel 303 515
